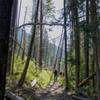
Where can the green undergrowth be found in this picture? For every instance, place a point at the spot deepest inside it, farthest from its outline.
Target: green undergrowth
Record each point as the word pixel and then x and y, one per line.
pixel 43 77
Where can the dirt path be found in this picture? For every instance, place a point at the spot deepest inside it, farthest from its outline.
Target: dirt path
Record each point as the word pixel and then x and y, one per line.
pixel 53 92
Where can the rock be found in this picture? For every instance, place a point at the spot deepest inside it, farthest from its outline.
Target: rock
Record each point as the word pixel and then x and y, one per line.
pixel 33 83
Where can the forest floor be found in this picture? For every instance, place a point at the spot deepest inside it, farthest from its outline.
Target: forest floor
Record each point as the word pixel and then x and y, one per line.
pixel 53 92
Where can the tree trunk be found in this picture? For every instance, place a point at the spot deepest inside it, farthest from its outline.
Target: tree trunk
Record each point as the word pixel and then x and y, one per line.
pixel 41 36
pixel 22 78
pixel 13 24
pixel 5 19
pixel 56 58
pixel 86 41
pixel 93 70
pixel 59 61
pixel 24 36
pixel 16 34
pixel 77 39
pixel 23 44
pixel 65 38
pixel 96 41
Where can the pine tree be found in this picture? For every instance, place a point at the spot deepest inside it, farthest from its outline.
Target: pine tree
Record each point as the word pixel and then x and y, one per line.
pixel 96 42
pixel 75 25
pixel 86 41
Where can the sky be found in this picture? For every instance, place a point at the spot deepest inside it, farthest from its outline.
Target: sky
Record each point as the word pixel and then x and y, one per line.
pixel 56 30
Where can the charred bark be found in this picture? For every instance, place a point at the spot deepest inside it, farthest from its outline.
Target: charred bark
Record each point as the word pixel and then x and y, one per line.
pixel 5 19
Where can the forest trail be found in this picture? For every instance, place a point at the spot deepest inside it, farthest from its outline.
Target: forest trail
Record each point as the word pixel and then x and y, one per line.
pixel 53 92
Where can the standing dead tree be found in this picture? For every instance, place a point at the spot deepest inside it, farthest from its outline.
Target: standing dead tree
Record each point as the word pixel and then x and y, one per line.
pixel 24 36
pixel 22 78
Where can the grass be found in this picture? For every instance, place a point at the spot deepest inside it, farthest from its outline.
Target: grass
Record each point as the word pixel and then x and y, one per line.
pixel 42 77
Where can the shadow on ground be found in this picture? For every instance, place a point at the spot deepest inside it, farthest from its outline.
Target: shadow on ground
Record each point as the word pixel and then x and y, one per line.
pixel 48 95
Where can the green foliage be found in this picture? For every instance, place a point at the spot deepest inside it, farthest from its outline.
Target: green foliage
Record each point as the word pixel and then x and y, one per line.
pixel 49 9
pixel 42 77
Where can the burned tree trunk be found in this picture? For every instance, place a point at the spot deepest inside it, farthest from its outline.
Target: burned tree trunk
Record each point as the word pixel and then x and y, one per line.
pixel 5 19
pixel 13 24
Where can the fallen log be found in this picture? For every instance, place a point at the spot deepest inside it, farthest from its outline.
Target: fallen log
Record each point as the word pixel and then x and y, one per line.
pixel 79 98
pixel 84 81
pixel 11 96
